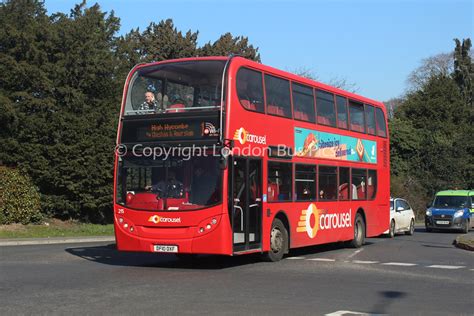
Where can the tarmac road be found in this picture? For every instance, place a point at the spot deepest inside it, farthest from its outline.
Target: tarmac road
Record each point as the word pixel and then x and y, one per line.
pixel 421 274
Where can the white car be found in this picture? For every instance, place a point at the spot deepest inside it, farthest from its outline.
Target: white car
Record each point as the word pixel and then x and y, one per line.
pixel 402 218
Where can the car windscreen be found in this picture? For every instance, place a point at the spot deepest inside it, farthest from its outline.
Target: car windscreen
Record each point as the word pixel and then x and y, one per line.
pixel 450 201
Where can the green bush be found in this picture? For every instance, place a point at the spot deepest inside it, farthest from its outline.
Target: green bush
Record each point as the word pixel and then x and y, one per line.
pixel 19 198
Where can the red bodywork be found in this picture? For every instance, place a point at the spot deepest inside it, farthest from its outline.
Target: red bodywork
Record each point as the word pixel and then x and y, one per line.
pixel 182 228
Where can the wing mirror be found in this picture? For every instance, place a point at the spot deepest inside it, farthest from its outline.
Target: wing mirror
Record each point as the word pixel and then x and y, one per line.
pixel 223 162
pixel 400 208
pixel 224 158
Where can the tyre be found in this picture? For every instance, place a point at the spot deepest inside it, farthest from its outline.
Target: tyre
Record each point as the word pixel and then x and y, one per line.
pixel 391 232
pixel 278 242
pixel 465 226
pixel 359 232
pixel 411 230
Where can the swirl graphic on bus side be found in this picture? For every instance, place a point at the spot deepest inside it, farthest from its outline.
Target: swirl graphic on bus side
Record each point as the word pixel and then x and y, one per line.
pixel 304 225
pixel 323 220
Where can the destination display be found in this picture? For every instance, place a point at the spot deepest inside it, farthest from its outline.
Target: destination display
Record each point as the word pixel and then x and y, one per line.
pixel 137 131
pixel 316 144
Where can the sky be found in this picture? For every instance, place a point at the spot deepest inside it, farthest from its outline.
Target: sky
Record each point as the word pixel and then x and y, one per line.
pixel 373 44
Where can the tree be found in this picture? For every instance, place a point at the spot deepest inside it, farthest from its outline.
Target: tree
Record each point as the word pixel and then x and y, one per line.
pixel 337 82
pixel 228 44
pixel 438 65
pixel 62 101
pixel 429 134
pixel 464 69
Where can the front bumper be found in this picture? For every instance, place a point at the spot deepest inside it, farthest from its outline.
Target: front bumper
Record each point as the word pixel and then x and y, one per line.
pixel 447 222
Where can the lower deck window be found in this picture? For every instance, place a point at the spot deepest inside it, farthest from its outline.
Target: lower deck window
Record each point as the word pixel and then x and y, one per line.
pixel 279 181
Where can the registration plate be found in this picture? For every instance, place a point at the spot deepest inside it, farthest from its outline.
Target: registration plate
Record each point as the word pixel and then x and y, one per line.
pixel 442 222
pixel 165 248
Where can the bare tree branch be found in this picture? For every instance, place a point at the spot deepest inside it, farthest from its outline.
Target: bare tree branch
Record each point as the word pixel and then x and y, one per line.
pixel 337 82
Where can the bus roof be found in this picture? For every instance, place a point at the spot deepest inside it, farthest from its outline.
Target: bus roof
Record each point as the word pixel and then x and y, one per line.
pixel 455 192
pixel 277 72
pixel 311 82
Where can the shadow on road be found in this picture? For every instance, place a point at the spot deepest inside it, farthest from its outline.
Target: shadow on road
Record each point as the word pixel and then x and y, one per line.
pixel 108 254
pixel 433 246
pixel 438 231
pixel 321 248
pixel 387 298
pixel 111 256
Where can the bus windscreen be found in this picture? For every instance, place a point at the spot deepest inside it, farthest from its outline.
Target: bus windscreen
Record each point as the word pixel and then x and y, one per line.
pixel 175 87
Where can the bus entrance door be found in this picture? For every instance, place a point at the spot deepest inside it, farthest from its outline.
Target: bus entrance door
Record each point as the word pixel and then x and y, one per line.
pixel 246 209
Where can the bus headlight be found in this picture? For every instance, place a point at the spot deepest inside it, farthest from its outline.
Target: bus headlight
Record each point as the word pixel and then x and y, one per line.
pixel 459 213
pixel 208 225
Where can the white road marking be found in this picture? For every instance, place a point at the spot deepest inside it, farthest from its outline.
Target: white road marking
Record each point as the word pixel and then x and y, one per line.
pixel 402 264
pixel 340 313
pixel 438 266
pixel 364 261
pixel 295 258
pixel 322 259
pixel 354 254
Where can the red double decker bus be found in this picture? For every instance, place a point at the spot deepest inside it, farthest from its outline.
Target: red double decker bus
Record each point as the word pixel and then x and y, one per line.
pixel 227 156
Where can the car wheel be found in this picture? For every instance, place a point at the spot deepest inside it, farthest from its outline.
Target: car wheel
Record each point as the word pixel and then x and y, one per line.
pixel 359 232
pixel 391 233
pixel 465 226
pixel 278 242
pixel 412 228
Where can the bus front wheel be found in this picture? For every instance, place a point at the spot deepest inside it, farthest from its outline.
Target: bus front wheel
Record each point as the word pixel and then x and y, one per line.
pixel 359 232
pixel 278 241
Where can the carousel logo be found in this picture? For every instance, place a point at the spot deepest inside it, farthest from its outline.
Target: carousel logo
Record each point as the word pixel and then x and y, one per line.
pixel 244 136
pixel 313 219
pixel 158 219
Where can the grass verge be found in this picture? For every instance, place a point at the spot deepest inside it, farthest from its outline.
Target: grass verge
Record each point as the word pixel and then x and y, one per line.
pixel 55 228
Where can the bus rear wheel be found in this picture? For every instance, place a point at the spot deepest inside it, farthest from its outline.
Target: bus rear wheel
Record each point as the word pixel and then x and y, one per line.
pixel 359 232
pixel 278 242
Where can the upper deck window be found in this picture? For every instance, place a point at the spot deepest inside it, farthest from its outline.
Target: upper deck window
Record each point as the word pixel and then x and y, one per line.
pixel 175 87
pixel 356 113
pixel 325 108
pixel 278 96
pixel 370 119
pixel 381 127
pixel 303 102
pixel 341 112
pixel 250 89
